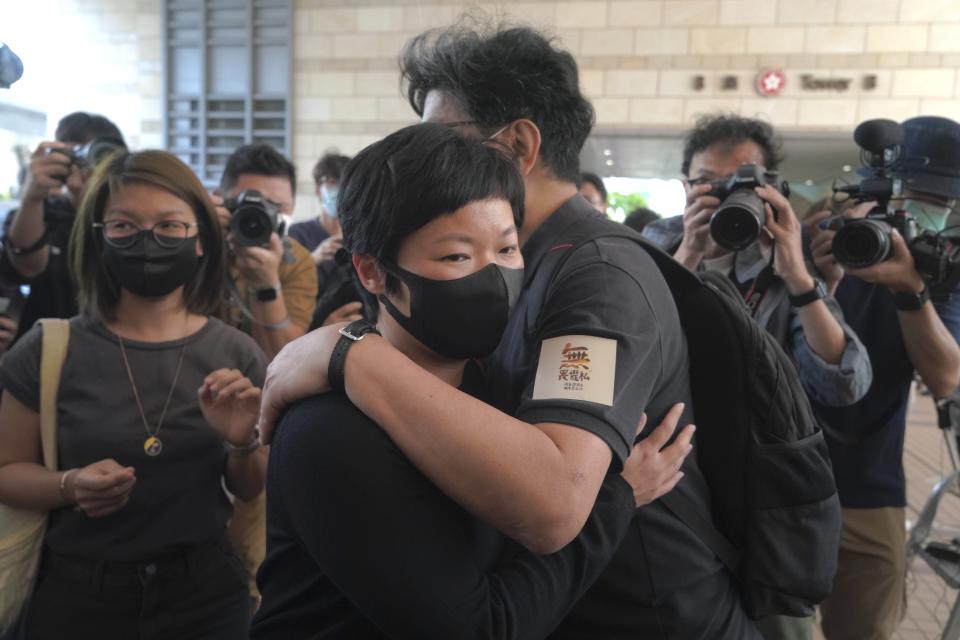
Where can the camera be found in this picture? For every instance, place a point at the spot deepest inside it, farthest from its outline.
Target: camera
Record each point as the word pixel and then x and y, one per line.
pixel 866 241
pixel 737 222
pixel 253 218
pixel 90 155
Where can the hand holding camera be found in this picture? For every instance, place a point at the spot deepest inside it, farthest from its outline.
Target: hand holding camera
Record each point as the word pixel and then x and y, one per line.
pixel 51 167
pixel 697 243
pixel 784 227
pixel 252 224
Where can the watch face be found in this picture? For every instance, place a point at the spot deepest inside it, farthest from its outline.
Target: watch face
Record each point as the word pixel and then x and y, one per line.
pixel 267 294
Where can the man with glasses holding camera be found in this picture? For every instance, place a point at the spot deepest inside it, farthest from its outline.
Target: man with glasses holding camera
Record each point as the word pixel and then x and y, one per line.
pixel 738 221
pixel 889 305
pixel 35 237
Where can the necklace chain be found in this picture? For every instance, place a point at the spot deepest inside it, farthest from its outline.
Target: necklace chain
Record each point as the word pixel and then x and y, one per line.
pixel 136 394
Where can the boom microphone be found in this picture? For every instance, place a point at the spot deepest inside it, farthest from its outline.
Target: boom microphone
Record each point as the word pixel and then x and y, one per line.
pixel 877 135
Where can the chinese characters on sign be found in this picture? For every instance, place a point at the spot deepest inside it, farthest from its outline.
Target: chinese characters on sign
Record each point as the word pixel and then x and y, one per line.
pixel 574 367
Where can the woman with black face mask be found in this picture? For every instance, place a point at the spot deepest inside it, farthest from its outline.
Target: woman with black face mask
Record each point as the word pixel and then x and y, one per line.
pixel 156 414
pixel 360 543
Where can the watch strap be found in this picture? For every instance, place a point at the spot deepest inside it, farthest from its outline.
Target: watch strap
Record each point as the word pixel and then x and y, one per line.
pixel 817 293
pixel 349 335
pixel 266 294
pixel 911 301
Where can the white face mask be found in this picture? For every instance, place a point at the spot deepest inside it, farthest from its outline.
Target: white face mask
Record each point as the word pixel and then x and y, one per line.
pixel 930 217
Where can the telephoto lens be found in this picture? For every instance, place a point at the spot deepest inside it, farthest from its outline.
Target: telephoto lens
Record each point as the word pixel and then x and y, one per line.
pixel 737 222
pixel 862 243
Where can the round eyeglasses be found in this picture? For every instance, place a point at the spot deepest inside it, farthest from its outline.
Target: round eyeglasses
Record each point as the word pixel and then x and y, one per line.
pixel 123 234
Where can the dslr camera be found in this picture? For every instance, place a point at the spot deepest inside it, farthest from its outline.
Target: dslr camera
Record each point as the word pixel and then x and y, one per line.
pixel 737 222
pixel 865 242
pixel 90 155
pixel 253 218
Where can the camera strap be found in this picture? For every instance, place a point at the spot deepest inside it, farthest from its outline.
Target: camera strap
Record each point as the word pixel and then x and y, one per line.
pixel 761 284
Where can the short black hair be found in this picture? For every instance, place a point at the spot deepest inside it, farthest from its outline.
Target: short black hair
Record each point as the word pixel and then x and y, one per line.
pixel 413 176
pixel 82 127
pixel 732 129
pixel 329 166
pixel 640 217
pixel 595 180
pixel 498 74
pixel 259 159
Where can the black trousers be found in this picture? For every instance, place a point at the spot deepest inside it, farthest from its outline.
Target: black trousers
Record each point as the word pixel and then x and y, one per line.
pixel 196 593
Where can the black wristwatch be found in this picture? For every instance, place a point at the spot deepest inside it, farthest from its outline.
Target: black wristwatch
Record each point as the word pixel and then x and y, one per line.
pixel 350 334
pixel 911 301
pixel 266 294
pixel 819 292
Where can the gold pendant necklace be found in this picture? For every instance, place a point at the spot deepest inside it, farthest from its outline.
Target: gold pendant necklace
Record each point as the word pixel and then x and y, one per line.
pixel 152 446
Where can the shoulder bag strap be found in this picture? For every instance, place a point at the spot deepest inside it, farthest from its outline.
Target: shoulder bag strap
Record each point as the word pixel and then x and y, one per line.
pixel 56 337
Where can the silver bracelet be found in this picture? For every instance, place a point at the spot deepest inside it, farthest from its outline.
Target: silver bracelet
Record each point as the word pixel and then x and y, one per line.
pixel 246 449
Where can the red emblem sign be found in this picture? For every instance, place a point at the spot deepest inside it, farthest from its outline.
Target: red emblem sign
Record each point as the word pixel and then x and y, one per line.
pixel 771 82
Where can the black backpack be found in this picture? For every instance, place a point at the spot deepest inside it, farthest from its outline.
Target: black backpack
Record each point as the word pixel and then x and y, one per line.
pixel 776 514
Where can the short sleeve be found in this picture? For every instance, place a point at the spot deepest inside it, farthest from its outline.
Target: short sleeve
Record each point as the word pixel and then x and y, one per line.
pixel 599 343
pixel 20 371
pixel 299 284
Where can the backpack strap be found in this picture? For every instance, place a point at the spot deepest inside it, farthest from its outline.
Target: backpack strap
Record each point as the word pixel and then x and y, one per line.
pixel 688 513
pixel 679 279
pixel 56 337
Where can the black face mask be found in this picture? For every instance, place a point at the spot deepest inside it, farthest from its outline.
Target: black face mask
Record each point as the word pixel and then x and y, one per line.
pixel 149 270
pixel 462 318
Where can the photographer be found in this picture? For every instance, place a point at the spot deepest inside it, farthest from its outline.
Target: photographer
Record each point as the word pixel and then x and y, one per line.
pixel 338 300
pixel 35 237
pixel 274 285
pixel 888 306
pixel 770 271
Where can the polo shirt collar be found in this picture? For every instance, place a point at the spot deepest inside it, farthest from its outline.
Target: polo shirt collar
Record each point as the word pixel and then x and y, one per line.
pixel 549 236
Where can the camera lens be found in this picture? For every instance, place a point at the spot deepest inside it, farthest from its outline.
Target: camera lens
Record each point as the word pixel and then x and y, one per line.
pixel 862 243
pixel 251 226
pixel 737 222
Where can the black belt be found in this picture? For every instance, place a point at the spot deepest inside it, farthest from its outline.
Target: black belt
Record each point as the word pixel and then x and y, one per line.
pixel 116 575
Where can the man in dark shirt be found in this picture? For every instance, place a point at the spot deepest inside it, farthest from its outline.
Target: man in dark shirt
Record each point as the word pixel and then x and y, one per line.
pixel 534 472
pixel 375 550
pixel 903 331
pixel 35 237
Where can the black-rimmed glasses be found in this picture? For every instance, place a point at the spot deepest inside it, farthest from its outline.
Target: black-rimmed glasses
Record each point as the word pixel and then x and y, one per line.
pixel 122 234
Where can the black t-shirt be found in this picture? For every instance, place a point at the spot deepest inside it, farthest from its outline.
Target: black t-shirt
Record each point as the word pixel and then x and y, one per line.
pixel 361 545
pixel 866 439
pixel 52 294
pixel 178 499
pixel 310 233
pixel 594 349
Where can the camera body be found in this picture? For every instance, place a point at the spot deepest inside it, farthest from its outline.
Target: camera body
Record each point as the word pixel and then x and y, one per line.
pixel 864 242
pixel 253 218
pixel 90 155
pixel 737 222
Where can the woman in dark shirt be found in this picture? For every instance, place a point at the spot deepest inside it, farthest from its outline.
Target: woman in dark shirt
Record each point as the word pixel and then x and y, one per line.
pixel 360 544
pixel 156 412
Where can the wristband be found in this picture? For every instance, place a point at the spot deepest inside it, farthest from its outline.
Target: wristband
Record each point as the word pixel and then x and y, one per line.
pixel 246 449
pixel 63 484
pixel 819 292
pixel 36 246
pixel 350 334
